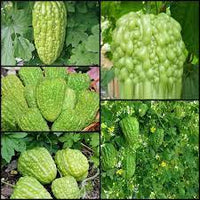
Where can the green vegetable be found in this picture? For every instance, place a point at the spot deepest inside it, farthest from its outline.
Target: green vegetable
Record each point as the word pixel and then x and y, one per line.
pixel 13 106
pixel 50 95
pixel 38 163
pixel 84 113
pixel 30 75
pixel 70 99
pixel 79 81
pixel 46 98
pixel 109 156
pixel 29 188
pixel 157 138
pixel 148 56
pixel 30 97
pixel 72 162
pixel 130 129
pixel 32 120
pixel 12 82
pixel 49 25
pixel 143 109
pixel 87 105
pixel 55 72
pixel 129 162
pixel 65 188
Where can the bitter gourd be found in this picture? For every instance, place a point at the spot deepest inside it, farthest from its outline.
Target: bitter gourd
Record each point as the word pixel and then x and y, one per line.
pixel 29 93
pixel 30 75
pixel 129 162
pixel 78 81
pixel 50 96
pixel 11 83
pixel 65 188
pixel 49 26
pixel 68 120
pixel 55 72
pixel 46 97
pixel 70 99
pixel 148 56
pixel 38 163
pixel 157 138
pixel 143 109
pixel 13 106
pixel 72 162
pixel 32 120
pixel 87 105
pixel 29 188
pixel 130 129
pixel 109 156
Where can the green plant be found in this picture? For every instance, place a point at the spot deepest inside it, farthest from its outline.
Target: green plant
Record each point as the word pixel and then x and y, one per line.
pixel 166 161
pixel 49 26
pixel 72 162
pixel 47 95
pixel 109 156
pixel 29 188
pixel 65 188
pixel 38 163
pixel 15 142
pixel 66 32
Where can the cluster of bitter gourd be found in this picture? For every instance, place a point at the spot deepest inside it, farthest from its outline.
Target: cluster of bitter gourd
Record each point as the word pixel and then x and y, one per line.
pixel 130 129
pixel 148 56
pixel 47 99
pixel 38 168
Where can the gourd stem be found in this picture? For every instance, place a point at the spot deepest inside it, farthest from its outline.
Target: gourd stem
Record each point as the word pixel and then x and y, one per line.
pixel 7 183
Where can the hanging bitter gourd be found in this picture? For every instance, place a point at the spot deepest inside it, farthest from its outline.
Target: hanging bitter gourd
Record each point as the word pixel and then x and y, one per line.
pixel 49 25
pixel 130 129
pixel 148 56
pixel 129 162
pixel 109 156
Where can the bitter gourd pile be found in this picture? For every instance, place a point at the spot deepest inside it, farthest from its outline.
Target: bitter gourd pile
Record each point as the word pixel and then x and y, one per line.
pixel 49 25
pixel 148 56
pixel 38 168
pixel 47 99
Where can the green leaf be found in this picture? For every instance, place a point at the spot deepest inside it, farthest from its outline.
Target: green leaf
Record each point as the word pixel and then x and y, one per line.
pixel 187 14
pixel 23 48
pixel 11 143
pixel 191 82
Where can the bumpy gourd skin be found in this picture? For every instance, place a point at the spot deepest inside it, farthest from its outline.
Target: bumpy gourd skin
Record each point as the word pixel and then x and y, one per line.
pixel 49 25
pixel 148 56
pixel 72 162
pixel 129 162
pixel 29 188
pixel 65 188
pixel 130 129
pixel 109 156
pixel 38 163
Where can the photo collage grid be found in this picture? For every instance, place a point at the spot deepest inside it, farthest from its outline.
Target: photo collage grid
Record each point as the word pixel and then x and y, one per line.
pixel 99 100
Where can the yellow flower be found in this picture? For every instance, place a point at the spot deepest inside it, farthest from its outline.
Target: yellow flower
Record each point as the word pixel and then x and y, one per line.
pixel 111 129
pixel 153 129
pixel 120 171
pixel 163 164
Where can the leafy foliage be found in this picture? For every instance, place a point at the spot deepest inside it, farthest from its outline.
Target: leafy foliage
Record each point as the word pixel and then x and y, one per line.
pixel 18 142
pixel 167 157
pixel 82 34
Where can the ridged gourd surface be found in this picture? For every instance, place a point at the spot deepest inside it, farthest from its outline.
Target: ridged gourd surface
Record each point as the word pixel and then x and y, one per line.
pixel 148 56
